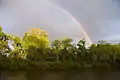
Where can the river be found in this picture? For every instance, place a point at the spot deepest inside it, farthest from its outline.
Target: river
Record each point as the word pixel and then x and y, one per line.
pixel 61 75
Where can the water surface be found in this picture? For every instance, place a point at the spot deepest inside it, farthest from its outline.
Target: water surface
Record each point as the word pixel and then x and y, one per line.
pixel 63 75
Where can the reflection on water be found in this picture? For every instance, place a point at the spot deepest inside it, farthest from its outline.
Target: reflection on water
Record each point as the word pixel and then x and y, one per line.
pixel 63 75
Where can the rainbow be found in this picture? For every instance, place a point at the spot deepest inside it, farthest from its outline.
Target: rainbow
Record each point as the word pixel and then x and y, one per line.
pixel 87 38
pixel 76 21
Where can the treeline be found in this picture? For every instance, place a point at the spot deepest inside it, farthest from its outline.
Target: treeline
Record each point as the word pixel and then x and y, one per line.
pixel 35 51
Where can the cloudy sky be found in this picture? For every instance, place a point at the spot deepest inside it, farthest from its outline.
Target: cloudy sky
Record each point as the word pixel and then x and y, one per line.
pixel 99 18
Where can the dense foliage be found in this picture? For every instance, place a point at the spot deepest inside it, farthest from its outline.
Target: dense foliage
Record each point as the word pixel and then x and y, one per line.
pixel 34 51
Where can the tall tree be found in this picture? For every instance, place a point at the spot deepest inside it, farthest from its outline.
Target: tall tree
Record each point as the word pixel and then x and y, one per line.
pixel 4 48
pixel 81 46
pixel 16 42
pixel 35 43
pixel 56 47
pixel 67 48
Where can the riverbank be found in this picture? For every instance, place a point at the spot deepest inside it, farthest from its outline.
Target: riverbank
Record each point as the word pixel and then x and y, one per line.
pixel 19 64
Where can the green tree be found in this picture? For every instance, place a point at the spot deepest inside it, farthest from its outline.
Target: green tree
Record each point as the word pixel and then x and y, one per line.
pixel 16 42
pixel 4 47
pixel 35 43
pixel 56 48
pixel 67 48
pixel 82 52
pixel 81 46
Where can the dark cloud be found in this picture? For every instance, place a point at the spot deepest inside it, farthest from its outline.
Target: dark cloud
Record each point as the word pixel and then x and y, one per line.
pixel 96 16
pixel 100 18
pixel 19 16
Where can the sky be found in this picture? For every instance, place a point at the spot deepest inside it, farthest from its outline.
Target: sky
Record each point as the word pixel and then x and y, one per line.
pixel 99 18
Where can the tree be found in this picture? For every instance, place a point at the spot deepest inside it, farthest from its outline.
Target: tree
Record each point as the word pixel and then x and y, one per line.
pixel 4 48
pixel 56 47
pixel 82 52
pixel 35 43
pixel 16 42
pixel 104 53
pixel 81 47
pixel 67 48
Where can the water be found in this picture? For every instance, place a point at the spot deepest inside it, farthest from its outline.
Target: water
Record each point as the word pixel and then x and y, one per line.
pixel 63 75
